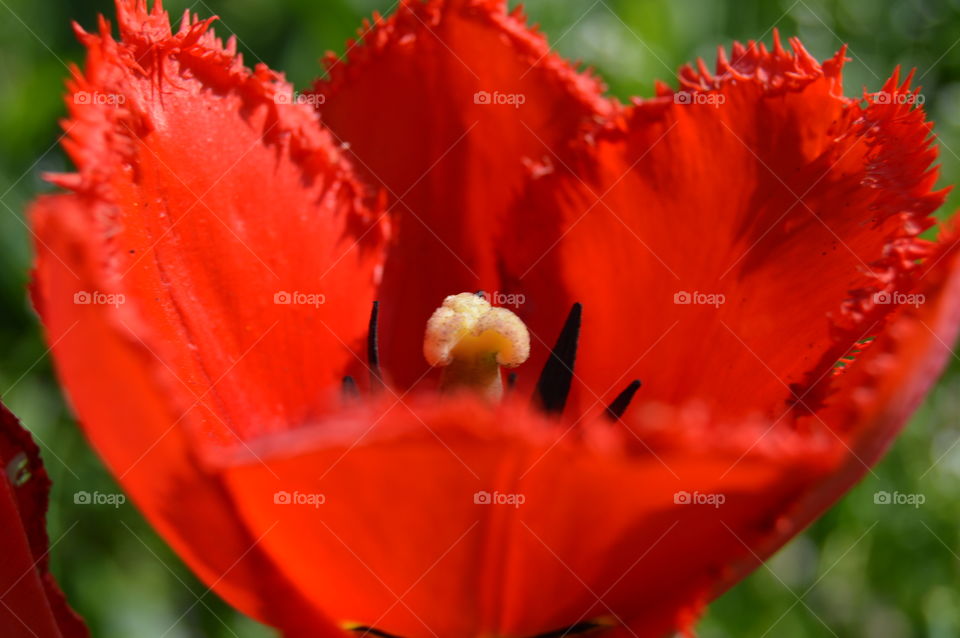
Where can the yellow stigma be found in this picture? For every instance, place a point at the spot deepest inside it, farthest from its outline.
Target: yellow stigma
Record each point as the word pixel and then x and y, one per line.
pixel 471 340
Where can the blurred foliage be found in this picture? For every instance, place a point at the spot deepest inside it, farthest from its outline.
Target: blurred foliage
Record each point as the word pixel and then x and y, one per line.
pixel 863 570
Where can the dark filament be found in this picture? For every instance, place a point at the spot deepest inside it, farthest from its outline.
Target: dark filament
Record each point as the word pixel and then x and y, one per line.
pixel 616 409
pixel 349 388
pixel 572 630
pixel 511 381
pixel 370 631
pixel 553 387
pixel 373 349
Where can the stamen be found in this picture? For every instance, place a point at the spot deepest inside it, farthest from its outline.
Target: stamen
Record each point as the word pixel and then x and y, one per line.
pixel 616 409
pixel 575 630
pixel 553 387
pixel 363 630
pixel 349 388
pixel 471 339
pixel 373 349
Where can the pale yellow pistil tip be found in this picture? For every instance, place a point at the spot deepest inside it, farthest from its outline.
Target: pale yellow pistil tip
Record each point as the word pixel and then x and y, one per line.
pixel 471 340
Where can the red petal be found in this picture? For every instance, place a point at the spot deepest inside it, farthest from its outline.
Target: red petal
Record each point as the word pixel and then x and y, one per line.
pixel 31 603
pixel 599 521
pixel 452 169
pixel 788 203
pixel 201 194
pixel 872 401
pixel 463 569
pixel 131 412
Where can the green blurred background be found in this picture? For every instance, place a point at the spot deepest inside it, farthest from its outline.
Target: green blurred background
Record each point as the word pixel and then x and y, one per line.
pixel 863 570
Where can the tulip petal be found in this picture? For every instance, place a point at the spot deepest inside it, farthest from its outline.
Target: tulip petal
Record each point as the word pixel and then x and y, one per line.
pixel 867 405
pixel 447 107
pixel 728 241
pixel 396 512
pixel 206 277
pixel 31 603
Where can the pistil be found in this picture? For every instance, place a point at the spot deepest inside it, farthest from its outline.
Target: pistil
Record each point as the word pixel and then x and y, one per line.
pixel 471 340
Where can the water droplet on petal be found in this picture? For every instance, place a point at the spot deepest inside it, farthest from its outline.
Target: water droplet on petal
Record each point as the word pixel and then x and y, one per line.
pixel 18 469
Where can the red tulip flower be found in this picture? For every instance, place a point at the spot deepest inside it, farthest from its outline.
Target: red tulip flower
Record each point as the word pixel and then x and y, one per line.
pixel 31 603
pixel 751 247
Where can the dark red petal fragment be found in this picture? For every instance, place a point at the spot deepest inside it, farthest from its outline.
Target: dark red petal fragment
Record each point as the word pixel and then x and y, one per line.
pixel 205 280
pixel 451 107
pixel 730 240
pixel 31 603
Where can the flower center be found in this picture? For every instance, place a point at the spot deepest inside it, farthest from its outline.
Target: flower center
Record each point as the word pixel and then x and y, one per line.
pixel 471 340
